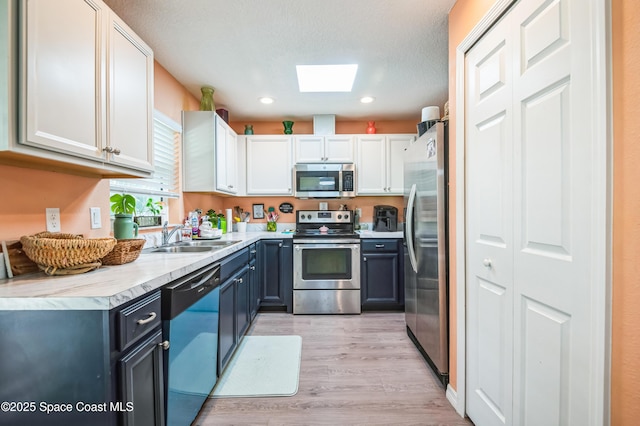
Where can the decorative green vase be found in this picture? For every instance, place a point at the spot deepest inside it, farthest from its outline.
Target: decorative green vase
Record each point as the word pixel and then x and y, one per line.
pixel 272 226
pixel 248 129
pixel 288 127
pixel 124 227
pixel 206 102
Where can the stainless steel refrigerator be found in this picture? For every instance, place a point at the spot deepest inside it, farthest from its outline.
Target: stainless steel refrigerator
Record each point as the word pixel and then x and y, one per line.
pixel 426 244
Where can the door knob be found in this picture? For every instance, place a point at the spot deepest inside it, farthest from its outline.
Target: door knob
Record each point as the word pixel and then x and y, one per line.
pixel 487 262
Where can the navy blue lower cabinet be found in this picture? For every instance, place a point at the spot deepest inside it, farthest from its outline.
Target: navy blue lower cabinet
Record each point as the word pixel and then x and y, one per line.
pixel 275 264
pixel 381 272
pixel 227 337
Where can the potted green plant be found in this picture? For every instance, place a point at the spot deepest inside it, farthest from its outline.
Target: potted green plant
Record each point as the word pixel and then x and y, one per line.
pixel 153 209
pixel 123 207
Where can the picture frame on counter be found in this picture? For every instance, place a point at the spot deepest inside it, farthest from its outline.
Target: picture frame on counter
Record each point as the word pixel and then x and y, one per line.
pixel 258 211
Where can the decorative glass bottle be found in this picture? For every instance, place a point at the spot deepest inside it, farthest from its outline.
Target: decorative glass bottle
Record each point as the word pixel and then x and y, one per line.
pixel 206 102
pixel 248 129
pixel 371 127
pixel 288 127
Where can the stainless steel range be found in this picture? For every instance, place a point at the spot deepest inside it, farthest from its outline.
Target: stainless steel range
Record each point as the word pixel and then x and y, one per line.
pixel 326 263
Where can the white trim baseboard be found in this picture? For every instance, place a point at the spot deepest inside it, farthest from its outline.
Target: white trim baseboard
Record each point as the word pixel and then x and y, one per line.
pixel 452 396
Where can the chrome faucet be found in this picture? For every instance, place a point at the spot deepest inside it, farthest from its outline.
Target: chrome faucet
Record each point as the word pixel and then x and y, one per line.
pixel 166 235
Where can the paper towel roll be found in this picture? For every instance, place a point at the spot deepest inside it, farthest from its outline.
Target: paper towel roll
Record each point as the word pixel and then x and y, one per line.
pixel 430 113
pixel 229 221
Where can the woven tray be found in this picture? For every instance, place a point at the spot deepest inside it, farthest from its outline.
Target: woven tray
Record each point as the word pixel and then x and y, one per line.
pixel 124 251
pixel 65 251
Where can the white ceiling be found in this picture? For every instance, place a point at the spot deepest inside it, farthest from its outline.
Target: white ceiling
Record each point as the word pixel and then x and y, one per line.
pixel 246 49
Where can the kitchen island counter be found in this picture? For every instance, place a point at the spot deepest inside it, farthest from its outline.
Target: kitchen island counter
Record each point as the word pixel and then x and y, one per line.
pixel 111 286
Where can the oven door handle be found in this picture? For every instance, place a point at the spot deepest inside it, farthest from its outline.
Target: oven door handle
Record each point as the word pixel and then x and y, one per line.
pixel 328 246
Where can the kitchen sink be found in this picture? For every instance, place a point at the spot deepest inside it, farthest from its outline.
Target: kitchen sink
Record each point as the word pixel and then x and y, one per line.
pixel 207 243
pixel 182 249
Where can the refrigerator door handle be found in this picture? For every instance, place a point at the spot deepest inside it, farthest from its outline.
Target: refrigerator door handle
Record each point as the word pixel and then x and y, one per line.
pixel 409 228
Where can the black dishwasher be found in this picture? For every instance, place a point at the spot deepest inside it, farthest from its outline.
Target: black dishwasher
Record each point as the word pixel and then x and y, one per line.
pixel 190 313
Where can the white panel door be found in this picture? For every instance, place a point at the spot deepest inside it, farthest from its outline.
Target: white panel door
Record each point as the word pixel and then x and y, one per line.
pixel 553 210
pixel 542 312
pixel 489 191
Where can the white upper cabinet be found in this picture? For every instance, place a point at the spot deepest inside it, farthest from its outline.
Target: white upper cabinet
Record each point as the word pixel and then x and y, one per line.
pixel 210 160
pixel 86 90
pixel 130 100
pixel 324 149
pixel 227 158
pixel 7 76
pixel 269 165
pixel 379 164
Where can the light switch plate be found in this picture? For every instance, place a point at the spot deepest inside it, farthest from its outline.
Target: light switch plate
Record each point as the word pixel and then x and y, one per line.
pixel 53 219
pixel 96 220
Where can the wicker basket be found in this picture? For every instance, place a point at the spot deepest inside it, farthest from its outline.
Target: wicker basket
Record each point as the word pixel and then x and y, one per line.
pixel 125 251
pixel 65 251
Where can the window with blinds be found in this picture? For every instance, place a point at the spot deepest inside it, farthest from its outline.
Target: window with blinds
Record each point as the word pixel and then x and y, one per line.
pixel 164 181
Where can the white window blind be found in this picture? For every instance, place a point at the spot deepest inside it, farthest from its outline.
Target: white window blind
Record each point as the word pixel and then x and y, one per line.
pixel 164 181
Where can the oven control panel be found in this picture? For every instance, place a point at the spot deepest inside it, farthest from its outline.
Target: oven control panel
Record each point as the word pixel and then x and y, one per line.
pixel 324 216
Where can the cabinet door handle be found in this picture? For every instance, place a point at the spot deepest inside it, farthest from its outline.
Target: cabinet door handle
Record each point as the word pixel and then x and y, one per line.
pixel 379 245
pixel 364 259
pixel 116 151
pixel 253 251
pixel 165 345
pixel 279 244
pixel 147 320
pixel 253 268
pixel 230 186
pixel 107 149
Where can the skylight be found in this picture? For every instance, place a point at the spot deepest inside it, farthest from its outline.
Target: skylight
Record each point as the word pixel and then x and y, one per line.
pixel 326 78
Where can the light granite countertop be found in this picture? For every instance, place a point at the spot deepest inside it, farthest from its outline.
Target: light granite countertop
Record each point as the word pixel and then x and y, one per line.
pixel 374 234
pixel 111 286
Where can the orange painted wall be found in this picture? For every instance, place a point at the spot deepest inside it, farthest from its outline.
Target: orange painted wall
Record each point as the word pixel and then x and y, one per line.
pixel 342 127
pixel 205 202
pixel 625 350
pixel 27 193
pixel 464 15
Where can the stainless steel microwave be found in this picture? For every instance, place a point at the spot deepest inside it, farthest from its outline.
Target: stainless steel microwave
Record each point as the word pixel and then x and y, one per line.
pixel 325 180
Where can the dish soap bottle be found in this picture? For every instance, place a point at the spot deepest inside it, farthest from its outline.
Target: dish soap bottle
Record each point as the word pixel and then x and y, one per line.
pixel 186 230
pixel 356 218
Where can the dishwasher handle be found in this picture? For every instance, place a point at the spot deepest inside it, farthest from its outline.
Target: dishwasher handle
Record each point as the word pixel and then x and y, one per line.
pixel 183 293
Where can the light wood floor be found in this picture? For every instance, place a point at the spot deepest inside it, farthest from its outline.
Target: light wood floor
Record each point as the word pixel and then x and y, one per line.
pixel 355 370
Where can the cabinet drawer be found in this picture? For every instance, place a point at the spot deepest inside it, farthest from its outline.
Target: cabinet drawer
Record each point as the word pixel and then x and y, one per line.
pixel 136 320
pixel 388 245
pixel 232 263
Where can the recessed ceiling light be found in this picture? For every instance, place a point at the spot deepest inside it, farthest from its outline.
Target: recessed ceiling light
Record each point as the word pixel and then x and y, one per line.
pixel 266 100
pixel 326 78
pixel 367 99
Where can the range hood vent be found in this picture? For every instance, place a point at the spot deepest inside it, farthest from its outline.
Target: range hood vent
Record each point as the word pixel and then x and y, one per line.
pixel 324 124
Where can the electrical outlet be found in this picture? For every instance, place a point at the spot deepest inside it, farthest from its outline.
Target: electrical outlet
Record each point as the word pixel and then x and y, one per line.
pixel 96 221
pixel 53 219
